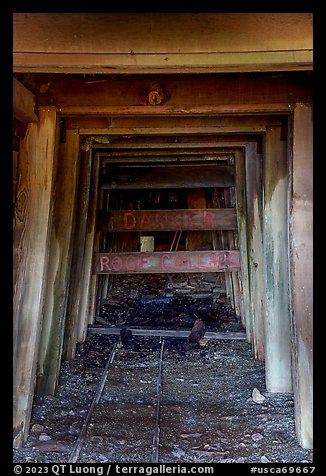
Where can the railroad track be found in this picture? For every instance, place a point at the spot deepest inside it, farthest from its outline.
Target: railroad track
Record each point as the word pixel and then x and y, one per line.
pixel 117 365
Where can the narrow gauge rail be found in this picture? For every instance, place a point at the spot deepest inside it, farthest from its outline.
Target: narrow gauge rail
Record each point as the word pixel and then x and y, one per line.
pixel 99 392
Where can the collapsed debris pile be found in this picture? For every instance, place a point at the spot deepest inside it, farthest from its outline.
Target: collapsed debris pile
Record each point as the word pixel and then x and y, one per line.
pixel 166 302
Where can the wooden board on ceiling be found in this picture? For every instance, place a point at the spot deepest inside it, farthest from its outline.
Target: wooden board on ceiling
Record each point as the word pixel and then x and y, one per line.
pixel 156 42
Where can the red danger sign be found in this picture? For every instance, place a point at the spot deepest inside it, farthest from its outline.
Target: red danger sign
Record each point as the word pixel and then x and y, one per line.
pixel 170 262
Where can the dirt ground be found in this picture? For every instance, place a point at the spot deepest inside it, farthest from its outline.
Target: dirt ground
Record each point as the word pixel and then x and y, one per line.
pixel 214 404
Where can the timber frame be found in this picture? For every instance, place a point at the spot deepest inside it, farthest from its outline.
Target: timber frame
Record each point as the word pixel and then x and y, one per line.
pixel 68 124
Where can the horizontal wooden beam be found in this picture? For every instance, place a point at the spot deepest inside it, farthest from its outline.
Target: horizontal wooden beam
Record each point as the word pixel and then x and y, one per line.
pixel 166 333
pixel 23 103
pixel 196 176
pixel 172 130
pixel 158 220
pixel 107 101
pixel 159 123
pixel 163 159
pixel 140 63
pixel 171 262
pixel 213 110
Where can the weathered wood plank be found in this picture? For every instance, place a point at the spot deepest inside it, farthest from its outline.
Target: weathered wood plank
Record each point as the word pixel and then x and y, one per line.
pixel 172 262
pixel 198 240
pixel 166 333
pixel 203 176
pixel 23 103
pixel 241 208
pixel 188 95
pixel 162 124
pixel 232 243
pixel 276 264
pixel 255 248
pixel 94 283
pixel 75 288
pixel 187 145
pixel 32 219
pixel 175 32
pixel 195 62
pixel 301 276
pixel 157 131
pixel 217 110
pixel 50 351
pixel 157 220
pixel 83 317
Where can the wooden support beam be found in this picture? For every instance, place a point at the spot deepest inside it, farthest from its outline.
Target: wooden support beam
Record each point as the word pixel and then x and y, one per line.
pixel 227 275
pixel 23 103
pixel 166 333
pixel 161 125
pixel 216 110
pixel 170 262
pixel 32 221
pixel 51 344
pixel 198 240
pixel 196 63
pixel 94 282
pixel 301 276
pixel 254 245
pixel 115 43
pixel 172 131
pixel 276 264
pixel 241 208
pixel 201 176
pixel 83 317
pixel 75 288
pixel 232 243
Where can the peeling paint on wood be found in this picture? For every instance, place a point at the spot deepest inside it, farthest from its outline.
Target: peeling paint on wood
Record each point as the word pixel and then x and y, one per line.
pixel 156 220
pixel 172 262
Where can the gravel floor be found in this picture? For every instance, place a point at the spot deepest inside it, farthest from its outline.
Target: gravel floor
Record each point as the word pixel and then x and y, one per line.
pixel 214 408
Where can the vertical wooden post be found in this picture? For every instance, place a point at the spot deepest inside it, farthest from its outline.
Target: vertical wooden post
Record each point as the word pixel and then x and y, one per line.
pixel 276 265
pixel 32 216
pixel 103 244
pixel 94 279
pixel 198 240
pixel 301 276
pixel 76 283
pixel 88 255
pixel 59 266
pixel 255 245
pixel 109 244
pixel 240 190
pixel 230 241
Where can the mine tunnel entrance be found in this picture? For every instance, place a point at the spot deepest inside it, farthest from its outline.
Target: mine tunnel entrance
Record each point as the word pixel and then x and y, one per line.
pixel 181 265
pixel 168 261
